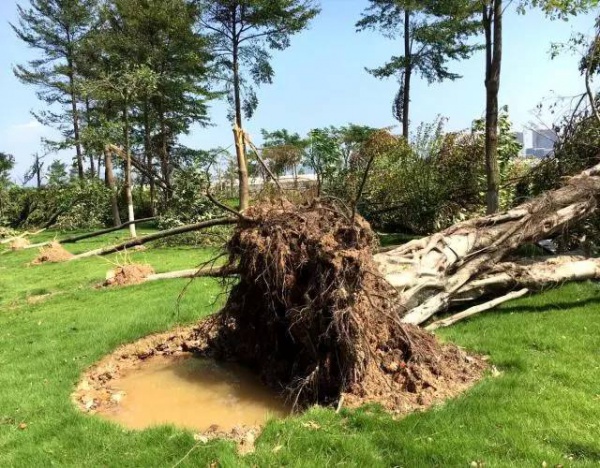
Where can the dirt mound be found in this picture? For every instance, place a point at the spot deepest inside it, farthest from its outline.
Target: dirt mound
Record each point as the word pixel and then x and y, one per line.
pixel 53 253
pixel 19 243
pixel 128 274
pixel 314 317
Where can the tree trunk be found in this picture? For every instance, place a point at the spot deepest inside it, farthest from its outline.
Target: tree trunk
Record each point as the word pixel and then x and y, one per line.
pixel 492 23
pixel 240 146
pixel 148 154
pixel 164 152
pixel 128 188
pixel 466 262
pixel 407 75
pixel 109 179
pixel 90 156
pixel 75 115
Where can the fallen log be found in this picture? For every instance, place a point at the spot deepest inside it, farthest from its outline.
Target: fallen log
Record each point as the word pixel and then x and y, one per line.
pixel 432 273
pixel 193 273
pixel 156 236
pixel 89 235
pixel 476 310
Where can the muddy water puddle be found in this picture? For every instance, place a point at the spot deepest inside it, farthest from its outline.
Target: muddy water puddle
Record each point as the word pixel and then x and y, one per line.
pixel 193 393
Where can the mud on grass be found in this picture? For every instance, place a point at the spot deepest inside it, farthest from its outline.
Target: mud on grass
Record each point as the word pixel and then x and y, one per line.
pixel 98 390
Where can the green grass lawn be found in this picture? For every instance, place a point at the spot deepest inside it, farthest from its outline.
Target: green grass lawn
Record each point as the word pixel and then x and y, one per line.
pixel 544 407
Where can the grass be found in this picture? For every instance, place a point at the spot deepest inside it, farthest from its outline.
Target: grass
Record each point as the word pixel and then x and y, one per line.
pixel 544 406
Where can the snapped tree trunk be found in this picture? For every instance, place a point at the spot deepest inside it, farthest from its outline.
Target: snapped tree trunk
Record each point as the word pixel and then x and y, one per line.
pixel 238 133
pixel 492 23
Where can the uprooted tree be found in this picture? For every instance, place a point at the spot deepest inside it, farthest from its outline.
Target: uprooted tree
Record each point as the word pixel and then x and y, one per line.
pixel 320 316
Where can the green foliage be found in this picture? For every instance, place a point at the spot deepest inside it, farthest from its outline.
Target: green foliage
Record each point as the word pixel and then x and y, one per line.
pixel 508 149
pixel 7 162
pixel 282 151
pixel 57 173
pixel 323 156
pixel 73 205
pixel 433 181
pixel 56 29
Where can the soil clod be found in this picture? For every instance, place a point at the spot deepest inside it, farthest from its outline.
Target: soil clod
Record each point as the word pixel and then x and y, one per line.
pixel 128 274
pixel 53 253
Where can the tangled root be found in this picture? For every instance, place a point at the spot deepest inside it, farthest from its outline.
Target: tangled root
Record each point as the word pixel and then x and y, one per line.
pixel 314 317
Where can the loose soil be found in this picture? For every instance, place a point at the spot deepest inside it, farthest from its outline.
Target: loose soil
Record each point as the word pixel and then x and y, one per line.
pixel 53 253
pixel 128 274
pixel 19 243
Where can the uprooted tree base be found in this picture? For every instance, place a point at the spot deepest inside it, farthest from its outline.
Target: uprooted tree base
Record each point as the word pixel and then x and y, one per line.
pixel 312 314
pixel 322 319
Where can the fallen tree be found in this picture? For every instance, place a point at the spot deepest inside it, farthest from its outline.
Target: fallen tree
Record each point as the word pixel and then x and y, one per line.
pixel 321 316
pixel 156 236
pixel 9 240
pixel 89 235
pixel 462 263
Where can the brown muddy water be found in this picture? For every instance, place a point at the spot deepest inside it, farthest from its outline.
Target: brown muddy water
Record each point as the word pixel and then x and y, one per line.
pixel 193 393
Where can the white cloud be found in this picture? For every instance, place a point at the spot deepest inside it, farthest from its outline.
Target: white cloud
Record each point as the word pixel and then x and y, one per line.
pixel 32 125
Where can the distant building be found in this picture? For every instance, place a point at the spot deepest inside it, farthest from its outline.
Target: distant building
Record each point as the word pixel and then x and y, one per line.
pixel 536 142
pixel 545 139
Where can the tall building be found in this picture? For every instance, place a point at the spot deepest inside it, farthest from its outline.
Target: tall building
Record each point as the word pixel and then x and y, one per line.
pixel 544 138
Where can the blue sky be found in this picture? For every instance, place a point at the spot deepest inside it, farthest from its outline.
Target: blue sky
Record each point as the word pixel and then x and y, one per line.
pixel 320 81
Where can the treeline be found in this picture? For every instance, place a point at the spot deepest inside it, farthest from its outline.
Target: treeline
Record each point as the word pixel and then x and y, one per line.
pixel 125 79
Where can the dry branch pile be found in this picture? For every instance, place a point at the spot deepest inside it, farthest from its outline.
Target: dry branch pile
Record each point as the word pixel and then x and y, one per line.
pixel 315 318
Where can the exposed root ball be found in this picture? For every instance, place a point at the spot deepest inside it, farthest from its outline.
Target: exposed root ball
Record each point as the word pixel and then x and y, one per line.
pixel 312 314
pixel 128 274
pixel 53 253
pixel 19 243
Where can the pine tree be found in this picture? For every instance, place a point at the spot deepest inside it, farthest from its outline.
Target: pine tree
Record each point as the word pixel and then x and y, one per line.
pixel 56 28
pixel 433 33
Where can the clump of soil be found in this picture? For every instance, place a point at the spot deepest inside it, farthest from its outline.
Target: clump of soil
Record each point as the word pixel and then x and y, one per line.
pixel 313 316
pixel 19 243
pixel 53 253
pixel 123 275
